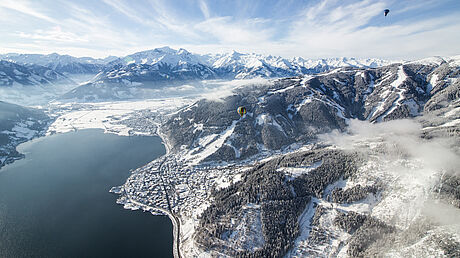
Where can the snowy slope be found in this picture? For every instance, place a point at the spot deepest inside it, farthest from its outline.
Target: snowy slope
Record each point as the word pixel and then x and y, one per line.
pixel 60 63
pixel 292 110
pixel 300 176
pixel 12 74
pixel 250 65
pixel 163 55
pixel 168 67
pixel 17 125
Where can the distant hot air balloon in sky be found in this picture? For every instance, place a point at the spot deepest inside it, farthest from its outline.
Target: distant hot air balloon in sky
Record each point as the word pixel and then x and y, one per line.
pixel 241 111
pixel 386 12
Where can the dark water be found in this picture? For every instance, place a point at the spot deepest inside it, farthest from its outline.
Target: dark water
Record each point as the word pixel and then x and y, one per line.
pixel 55 202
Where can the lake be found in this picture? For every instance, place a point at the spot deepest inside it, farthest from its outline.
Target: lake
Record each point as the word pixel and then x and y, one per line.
pixel 56 201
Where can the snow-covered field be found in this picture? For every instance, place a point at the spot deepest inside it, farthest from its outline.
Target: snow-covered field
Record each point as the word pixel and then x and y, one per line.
pixel 107 115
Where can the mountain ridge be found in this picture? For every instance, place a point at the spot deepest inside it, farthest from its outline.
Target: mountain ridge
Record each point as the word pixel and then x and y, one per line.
pixel 14 74
pixel 283 110
pixel 340 163
pixel 65 64
pixel 165 66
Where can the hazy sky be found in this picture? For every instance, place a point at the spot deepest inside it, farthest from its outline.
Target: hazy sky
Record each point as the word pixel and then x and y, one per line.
pixel 307 28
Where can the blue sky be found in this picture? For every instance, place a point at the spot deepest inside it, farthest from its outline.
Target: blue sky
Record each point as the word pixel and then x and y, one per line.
pixel 307 28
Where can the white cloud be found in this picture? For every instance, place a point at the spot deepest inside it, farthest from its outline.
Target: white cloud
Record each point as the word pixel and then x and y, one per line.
pixel 54 34
pixel 401 136
pixel 204 9
pixel 125 9
pixel 346 30
pixel 326 28
pixel 219 90
pixel 25 8
pixel 228 31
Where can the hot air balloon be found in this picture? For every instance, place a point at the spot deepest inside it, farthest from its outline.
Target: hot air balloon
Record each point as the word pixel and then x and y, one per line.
pixel 241 111
pixel 386 12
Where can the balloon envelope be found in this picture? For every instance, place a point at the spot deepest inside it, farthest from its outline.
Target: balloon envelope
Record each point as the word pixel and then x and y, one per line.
pixel 386 12
pixel 241 111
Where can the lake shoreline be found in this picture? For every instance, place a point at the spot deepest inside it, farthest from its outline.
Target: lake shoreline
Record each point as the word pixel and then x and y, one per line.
pixel 52 172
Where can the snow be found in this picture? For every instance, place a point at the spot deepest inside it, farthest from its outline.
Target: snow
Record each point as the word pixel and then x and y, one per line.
pixel 18 72
pixel 336 96
pixel 304 102
pixel 237 151
pixel 454 60
pixel 405 200
pixel 260 119
pixel 281 90
pixel 294 172
pixel 452 112
pixel 422 248
pixel 188 246
pixel 212 146
pixel 104 115
pixel 331 72
pixel 198 127
pixel 409 168
pixel 205 140
pixel 295 65
pixel 300 245
pixel 161 55
pixel 401 77
pixel 451 123
pixel 433 82
pixel 361 74
pixel 252 63
pixel 268 119
pixel 305 79
pixel 370 88
pixel 409 181
pixel 22 131
pixel 248 234
pixel 339 82
pixel 435 60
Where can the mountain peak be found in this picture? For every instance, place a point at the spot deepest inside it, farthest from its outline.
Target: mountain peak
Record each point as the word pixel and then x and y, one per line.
pixel 165 49
pixel 182 51
pixel 434 60
pixel 234 53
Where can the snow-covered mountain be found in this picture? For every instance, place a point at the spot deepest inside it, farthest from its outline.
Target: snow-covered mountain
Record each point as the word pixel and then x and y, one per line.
pixel 60 63
pixel 31 84
pixel 295 109
pixel 236 65
pixel 157 56
pixel 243 66
pixel 162 67
pixel 339 158
pixel 127 77
pixel 321 165
pixel 13 74
pixel 17 125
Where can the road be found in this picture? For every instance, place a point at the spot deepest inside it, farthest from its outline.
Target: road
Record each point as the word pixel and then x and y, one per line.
pixel 175 221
